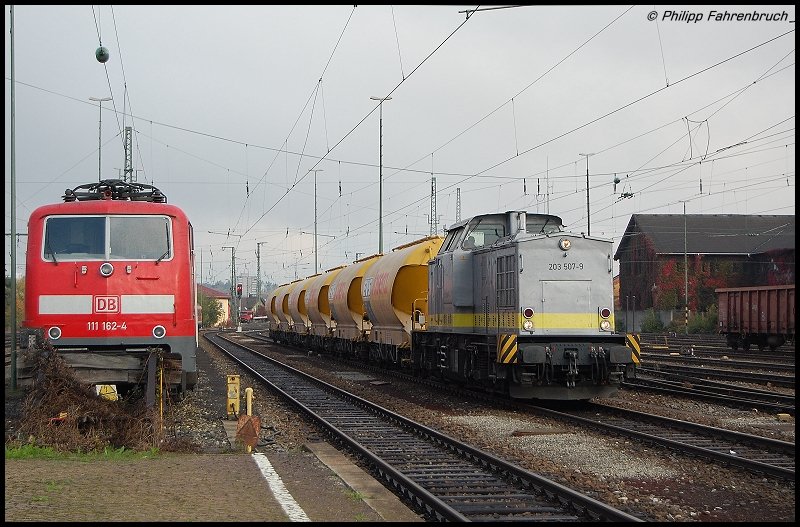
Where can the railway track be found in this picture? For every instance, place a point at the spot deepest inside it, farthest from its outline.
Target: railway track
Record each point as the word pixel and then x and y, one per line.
pixel 661 370
pixel 753 453
pixel 710 344
pixel 444 479
pixel 774 357
pixel 734 363
pixel 716 392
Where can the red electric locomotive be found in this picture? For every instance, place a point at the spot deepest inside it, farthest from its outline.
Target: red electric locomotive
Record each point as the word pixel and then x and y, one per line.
pixel 110 284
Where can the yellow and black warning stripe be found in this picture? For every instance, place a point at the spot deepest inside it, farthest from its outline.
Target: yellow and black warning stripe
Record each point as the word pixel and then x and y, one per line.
pixel 507 349
pixel 633 341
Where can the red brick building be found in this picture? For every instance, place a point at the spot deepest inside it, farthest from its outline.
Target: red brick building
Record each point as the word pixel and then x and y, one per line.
pixel 722 250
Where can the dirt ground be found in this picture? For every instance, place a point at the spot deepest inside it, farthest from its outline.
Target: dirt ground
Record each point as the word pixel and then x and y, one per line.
pixel 175 487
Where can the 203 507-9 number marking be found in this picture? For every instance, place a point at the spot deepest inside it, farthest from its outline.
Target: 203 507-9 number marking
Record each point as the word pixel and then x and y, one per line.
pixel 566 266
pixel 105 326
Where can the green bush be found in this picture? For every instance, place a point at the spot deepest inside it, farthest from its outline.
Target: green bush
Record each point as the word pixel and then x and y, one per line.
pixel 704 322
pixel 651 322
pixel 211 308
pixel 676 325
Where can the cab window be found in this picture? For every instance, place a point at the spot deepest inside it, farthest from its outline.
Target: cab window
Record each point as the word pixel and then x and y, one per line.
pixel 139 238
pixel 484 233
pixel 449 242
pixel 71 238
pixel 536 224
pixel 74 238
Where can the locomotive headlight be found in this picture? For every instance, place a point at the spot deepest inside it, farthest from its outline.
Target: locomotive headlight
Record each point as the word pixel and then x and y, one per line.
pixel 54 333
pixel 527 324
pixel 106 269
pixel 159 332
pixel 605 324
pixel 564 244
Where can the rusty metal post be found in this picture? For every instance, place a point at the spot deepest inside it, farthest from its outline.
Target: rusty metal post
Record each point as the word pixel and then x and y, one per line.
pixel 248 397
pixel 150 389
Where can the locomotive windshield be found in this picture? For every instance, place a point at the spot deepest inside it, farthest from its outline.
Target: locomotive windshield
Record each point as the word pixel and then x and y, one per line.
pixel 448 243
pixel 485 232
pixel 541 224
pixel 70 238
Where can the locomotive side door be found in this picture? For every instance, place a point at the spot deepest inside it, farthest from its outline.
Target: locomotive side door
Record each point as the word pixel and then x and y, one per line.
pixel 441 282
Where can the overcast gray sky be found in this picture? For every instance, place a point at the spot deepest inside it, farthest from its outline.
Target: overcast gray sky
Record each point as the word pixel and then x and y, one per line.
pixel 232 107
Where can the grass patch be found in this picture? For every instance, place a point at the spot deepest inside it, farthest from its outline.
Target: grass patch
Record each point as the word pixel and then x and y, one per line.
pixel 355 495
pixel 55 486
pixel 31 451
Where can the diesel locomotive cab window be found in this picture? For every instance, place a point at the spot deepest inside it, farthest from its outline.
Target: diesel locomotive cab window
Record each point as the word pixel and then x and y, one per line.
pixel 70 238
pixel 484 233
pixel 541 225
pixel 447 244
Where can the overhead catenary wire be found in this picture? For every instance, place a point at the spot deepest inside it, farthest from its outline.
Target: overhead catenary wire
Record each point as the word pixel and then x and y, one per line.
pixel 631 103
pixel 424 60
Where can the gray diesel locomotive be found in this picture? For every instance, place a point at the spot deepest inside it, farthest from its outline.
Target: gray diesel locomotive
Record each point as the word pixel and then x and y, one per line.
pixel 509 302
pixel 519 305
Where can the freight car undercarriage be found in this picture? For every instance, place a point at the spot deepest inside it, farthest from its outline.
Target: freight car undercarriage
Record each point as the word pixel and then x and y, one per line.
pixel 573 370
pixel 744 341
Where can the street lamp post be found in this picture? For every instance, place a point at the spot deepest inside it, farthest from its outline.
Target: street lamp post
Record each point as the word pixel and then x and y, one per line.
pixel 315 217
pixel 380 181
pixel 588 223
pixel 100 101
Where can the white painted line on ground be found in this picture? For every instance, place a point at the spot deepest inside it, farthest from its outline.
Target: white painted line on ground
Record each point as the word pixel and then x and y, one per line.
pixel 279 490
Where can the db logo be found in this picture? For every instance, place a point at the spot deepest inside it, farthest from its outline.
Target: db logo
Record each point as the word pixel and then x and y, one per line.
pixel 106 304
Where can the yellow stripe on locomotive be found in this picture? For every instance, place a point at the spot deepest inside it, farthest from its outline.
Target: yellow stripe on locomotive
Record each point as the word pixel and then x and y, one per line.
pixel 492 321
